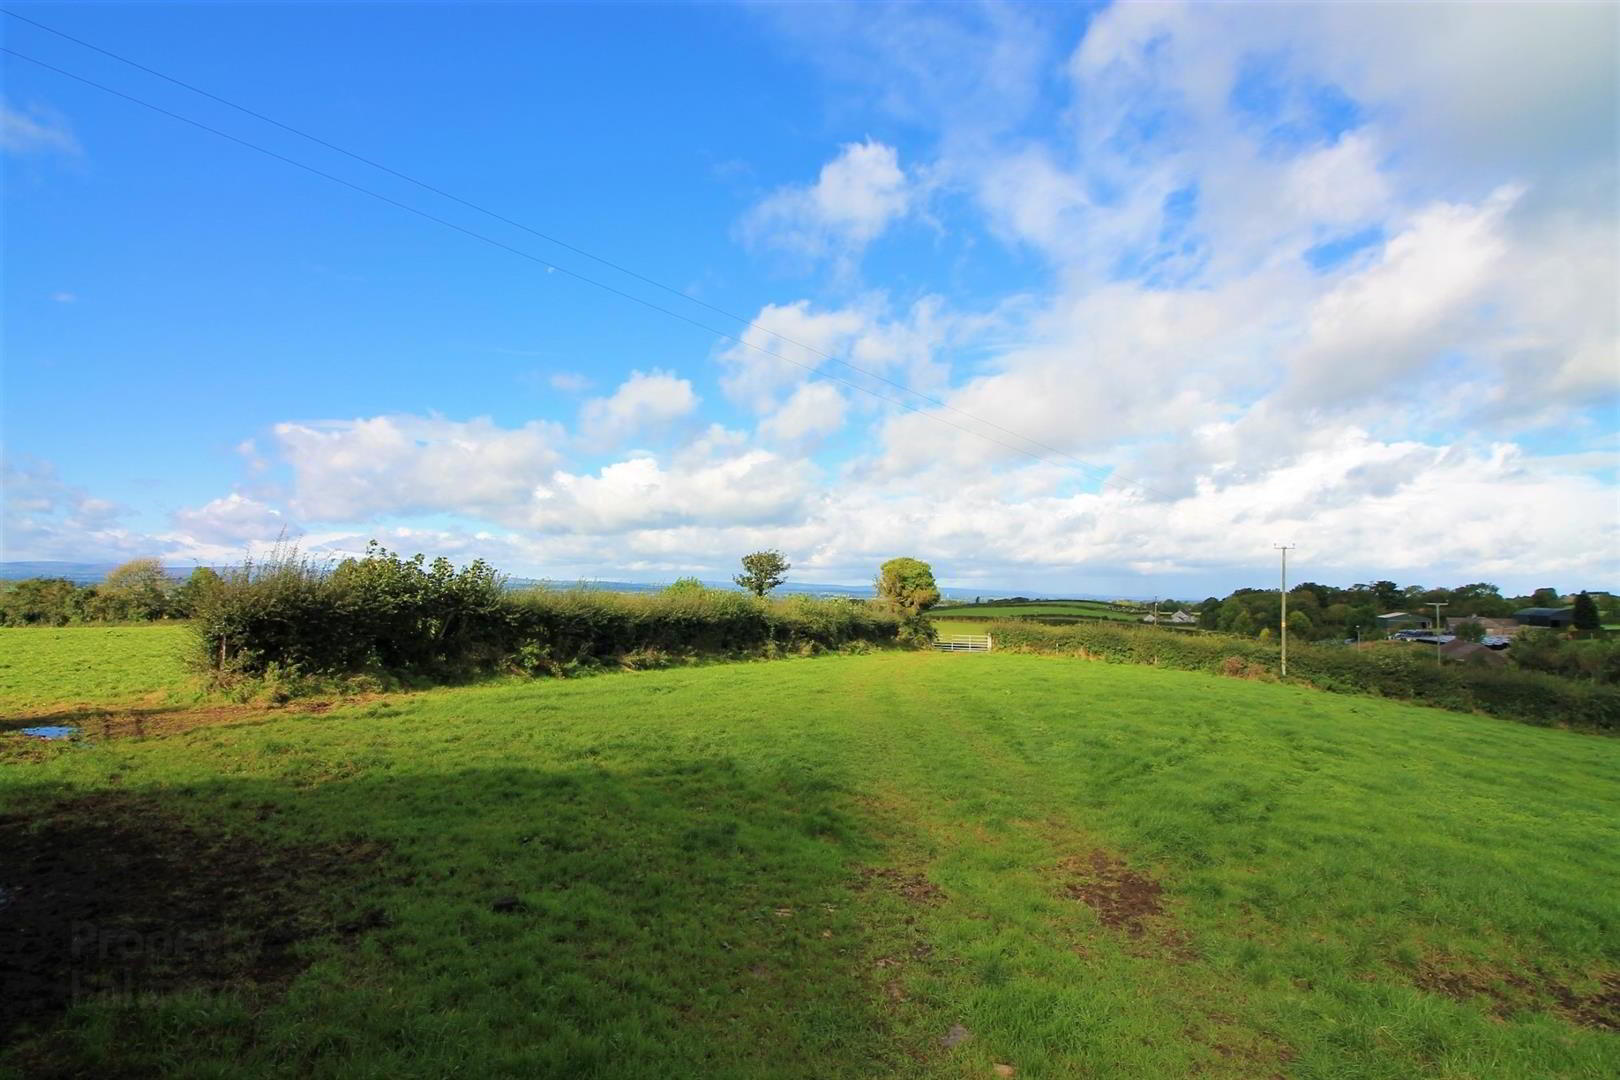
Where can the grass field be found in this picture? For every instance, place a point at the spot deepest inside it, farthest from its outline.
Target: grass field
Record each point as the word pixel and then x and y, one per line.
pixel 1089 609
pixel 899 864
pixel 89 666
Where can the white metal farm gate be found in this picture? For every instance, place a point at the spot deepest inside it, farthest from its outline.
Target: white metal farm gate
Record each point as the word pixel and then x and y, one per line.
pixel 964 643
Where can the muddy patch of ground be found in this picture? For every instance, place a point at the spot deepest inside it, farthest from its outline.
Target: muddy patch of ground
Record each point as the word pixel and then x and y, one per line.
pixel 1122 898
pixel 112 895
pixel 912 887
pixel 1506 992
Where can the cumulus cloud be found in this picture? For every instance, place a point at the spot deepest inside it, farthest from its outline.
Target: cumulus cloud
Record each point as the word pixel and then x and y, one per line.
pixel 814 411
pixel 1388 321
pixel 231 519
pixel 43 517
pixel 854 199
pixel 790 343
pixel 644 405
pixel 346 470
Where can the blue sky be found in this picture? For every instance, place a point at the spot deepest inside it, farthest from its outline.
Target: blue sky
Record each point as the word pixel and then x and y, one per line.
pixel 1281 276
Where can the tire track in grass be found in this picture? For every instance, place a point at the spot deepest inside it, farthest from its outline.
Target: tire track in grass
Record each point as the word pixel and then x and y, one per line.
pixel 1000 952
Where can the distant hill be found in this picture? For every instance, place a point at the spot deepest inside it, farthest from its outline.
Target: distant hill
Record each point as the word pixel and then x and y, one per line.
pixel 88 573
pixel 80 573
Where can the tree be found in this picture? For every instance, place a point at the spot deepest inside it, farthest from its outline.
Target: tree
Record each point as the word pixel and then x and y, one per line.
pixel 1387 594
pixel 198 587
pixel 907 587
pixel 1585 615
pixel 1545 598
pixel 139 589
pixel 762 572
pixel 1468 629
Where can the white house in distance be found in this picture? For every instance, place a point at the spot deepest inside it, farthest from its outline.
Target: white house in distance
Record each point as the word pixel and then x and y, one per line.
pixel 1180 618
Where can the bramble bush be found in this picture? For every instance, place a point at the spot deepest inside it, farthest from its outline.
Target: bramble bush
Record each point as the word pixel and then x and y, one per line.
pixel 1407 673
pixel 405 618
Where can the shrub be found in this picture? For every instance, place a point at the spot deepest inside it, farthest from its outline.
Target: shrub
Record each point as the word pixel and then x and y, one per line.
pixel 404 617
pixel 1388 671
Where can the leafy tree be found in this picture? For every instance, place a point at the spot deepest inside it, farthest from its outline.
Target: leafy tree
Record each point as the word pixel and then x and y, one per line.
pixel 42 602
pixel 1545 598
pixel 1585 615
pixel 1300 625
pixel 139 589
pixel 1387 594
pixel 762 572
pixel 907 587
pixel 203 583
pixel 684 586
pixel 1468 629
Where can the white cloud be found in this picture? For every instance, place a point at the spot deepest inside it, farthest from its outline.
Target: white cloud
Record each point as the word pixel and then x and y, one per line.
pixel 788 343
pixel 814 411
pixel 1339 184
pixel 347 470
pixel 644 405
pixel 37 130
pixel 747 488
pixel 569 382
pixel 231 520
pixel 1386 323
pixel 857 195
pixel 43 517
pixel 784 345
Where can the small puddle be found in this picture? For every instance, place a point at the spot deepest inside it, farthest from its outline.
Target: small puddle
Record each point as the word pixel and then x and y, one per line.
pixel 52 731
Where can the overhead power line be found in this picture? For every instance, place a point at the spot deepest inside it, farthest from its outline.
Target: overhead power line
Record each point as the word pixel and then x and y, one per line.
pixel 749 324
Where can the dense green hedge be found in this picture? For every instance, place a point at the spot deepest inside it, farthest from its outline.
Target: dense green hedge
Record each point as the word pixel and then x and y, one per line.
pixel 1405 672
pixel 1059 620
pixel 405 617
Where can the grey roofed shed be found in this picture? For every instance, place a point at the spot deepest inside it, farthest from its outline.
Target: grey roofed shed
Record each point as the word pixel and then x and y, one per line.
pixel 1545 616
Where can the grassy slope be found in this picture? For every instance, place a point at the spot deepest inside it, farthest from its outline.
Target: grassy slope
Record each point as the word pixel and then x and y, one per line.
pixel 687 844
pixel 55 669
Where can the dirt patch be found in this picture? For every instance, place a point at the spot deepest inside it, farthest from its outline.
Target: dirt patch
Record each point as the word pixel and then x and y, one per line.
pixel 112 895
pixel 1506 992
pixel 130 721
pixel 1121 897
pixel 912 887
pixel 138 723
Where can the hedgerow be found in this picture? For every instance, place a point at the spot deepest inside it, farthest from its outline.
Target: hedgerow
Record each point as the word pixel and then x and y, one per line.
pixel 399 617
pixel 1406 673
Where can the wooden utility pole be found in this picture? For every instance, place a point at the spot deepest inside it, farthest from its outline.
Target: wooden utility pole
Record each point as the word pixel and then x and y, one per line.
pixel 1285 549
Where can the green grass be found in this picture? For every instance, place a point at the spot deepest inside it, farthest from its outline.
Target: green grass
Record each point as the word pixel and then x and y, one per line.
pixel 62 668
pixel 944 628
pixel 688 848
pixel 1086 608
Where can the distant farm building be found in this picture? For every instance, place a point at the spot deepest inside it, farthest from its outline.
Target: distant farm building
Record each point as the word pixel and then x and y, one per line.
pixel 1180 618
pixel 1499 628
pixel 1558 618
pixel 1402 620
